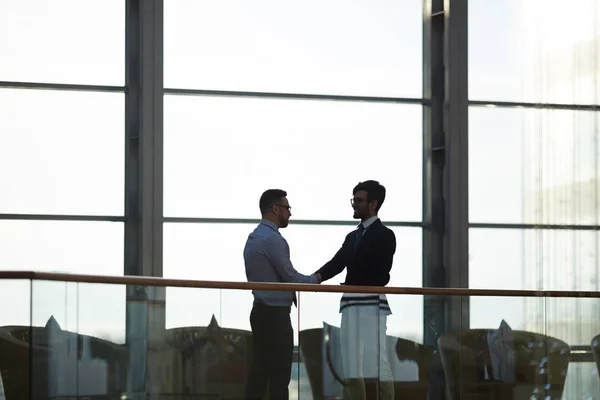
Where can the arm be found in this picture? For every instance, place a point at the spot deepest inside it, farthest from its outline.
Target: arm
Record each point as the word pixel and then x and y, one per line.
pixel 278 254
pixel 333 267
pixel 382 264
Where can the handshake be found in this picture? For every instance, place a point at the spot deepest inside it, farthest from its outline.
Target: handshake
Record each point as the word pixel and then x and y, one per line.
pixel 318 277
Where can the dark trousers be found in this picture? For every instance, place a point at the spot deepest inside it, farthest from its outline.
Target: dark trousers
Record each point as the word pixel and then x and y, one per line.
pixel 273 346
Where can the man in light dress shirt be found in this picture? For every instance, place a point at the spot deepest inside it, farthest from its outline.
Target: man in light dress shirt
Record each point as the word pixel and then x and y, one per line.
pixel 267 259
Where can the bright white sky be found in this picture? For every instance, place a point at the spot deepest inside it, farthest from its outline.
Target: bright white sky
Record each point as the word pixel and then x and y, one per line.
pixel 62 152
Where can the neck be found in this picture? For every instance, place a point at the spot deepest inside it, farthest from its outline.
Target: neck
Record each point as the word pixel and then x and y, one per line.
pixel 273 219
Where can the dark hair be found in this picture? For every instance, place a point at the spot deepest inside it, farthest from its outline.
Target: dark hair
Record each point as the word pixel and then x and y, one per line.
pixel 270 197
pixel 375 191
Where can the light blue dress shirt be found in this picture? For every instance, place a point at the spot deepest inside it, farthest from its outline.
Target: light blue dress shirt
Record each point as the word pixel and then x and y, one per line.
pixel 267 259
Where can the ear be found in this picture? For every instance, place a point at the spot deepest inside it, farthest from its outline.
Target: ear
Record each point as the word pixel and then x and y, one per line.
pixel 374 204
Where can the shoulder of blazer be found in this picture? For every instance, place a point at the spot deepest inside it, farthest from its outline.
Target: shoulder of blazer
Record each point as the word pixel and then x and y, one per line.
pixel 383 231
pixel 379 226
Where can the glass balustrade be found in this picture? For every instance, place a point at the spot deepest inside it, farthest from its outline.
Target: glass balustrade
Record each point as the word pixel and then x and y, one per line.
pixel 75 340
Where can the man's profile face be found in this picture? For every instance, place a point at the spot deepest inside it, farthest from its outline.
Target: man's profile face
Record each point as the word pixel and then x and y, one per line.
pixel 283 211
pixel 360 205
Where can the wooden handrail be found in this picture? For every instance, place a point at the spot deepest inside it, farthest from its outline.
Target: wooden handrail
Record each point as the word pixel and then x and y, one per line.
pixel 298 287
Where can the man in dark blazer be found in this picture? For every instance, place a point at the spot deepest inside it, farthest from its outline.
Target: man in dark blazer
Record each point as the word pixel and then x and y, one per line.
pixel 367 254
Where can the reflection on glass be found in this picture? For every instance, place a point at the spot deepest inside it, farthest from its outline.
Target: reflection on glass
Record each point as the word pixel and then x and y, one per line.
pixel 531 60
pixel 340 360
pixel 337 47
pixel 540 329
pixel 577 322
pixel 77 340
pixel 533 166
pixel 61 152
pixel 60 42
pixel 110 340
pixel 15 318
pixel 548 260
pixel 200 348
pixel 502 361
pixel 308 148
pixel 212 349
pixel 94 248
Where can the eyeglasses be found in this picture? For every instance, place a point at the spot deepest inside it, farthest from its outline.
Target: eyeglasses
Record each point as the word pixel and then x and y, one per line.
pixel 285 206
pixel 356 200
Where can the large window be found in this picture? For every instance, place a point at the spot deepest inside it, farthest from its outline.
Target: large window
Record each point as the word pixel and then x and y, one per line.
pixel 232 149
pixel 61 152
pixel 62 136
pixel 63 41
pixel 534 51
pixel 533 166
pixel 334 47
pixel 311 98
pixel 543 168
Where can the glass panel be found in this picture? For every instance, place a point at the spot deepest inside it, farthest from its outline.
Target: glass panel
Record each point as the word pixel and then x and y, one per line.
pixel 101 339
pixel 508 352
pixel 196 251
pixel 308 148
pixel 52 340
pixel 61 152
pixel 15 297
pixel 337 47
pixel 78 340
pixel 329 338
pixel 577 322
pixel 552 175
pixel 533 259
pixel 517 54
pixel 60 246
pixel 194 342
pixel 243 343
pixel 107 356
pixel 213 348
pixel 63 41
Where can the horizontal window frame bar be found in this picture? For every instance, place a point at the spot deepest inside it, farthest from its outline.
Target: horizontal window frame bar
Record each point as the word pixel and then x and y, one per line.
pixel 314 222
pixel 113 218
pixel 538 106
pixel 291 96
pixel 486 225
pixel 203 220
pixel 294 96
pixel 62 217
pixel 61 87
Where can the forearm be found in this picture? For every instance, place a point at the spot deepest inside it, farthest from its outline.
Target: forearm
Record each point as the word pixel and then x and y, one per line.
pixel 333 267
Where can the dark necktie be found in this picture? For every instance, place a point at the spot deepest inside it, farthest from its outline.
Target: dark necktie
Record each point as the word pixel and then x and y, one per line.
pixel 359 236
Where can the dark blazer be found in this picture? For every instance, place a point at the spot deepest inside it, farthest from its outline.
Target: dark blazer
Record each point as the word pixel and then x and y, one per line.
pixel 372 262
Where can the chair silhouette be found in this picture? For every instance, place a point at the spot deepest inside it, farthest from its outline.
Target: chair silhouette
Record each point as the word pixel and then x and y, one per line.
pixel 312 347
pixel 541 364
